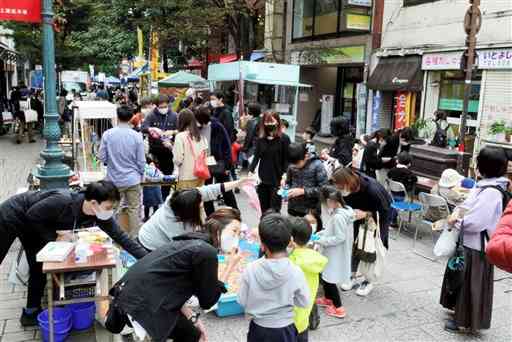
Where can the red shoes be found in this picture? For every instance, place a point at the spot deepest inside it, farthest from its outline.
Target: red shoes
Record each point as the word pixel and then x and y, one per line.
pixel 322 301
pixel 335 312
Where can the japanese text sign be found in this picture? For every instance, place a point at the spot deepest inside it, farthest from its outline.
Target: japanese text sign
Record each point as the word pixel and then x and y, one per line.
pixel 21 10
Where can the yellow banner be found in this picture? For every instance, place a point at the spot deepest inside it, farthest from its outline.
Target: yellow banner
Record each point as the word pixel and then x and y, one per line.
pixel 140 39
pixel 155 58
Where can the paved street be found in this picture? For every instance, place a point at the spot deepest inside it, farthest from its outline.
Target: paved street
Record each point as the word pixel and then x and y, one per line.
pixel 403 307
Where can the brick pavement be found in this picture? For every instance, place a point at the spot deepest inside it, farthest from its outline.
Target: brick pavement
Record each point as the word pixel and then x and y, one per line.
pixel 403 307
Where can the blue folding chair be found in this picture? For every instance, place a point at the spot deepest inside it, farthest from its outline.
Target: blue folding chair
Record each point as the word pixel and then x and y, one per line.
pixel 402 204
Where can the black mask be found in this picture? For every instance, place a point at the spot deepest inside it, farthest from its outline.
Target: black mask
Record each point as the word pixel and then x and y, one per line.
pixel 269 129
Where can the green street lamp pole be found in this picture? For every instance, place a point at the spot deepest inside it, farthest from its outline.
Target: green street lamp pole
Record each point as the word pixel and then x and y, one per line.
pixel 54 173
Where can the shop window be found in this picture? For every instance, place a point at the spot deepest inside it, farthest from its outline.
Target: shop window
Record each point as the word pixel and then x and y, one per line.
pixel 451 94
pixel 417 2
pixel 325 18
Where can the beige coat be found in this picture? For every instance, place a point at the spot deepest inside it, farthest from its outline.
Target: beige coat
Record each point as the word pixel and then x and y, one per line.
pixel 184 155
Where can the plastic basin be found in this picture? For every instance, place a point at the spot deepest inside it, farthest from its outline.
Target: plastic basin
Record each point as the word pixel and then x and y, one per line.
pixel 83 315
pixel 62 324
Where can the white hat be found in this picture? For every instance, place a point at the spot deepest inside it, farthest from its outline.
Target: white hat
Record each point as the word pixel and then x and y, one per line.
pixel 450 178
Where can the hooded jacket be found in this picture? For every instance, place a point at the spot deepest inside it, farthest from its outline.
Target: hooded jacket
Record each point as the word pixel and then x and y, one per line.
pixel 163 225
pixel 153 290
pixel 310 178
pixel 270 288
pixel 312 264
pixel 499 248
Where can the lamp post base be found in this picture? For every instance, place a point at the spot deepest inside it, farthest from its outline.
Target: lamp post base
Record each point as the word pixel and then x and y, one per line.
pixel 53 178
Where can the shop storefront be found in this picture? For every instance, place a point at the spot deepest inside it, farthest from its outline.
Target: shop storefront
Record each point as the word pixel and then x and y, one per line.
pixel 336 76
pixel 490 105
pixel 396 85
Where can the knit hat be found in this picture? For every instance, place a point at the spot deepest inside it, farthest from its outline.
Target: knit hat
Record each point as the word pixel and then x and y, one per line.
pixel 450 178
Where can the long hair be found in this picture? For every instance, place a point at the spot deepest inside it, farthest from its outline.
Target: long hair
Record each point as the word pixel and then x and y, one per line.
pixel 266 119
pixel 219 220
pixel 345 178
pixel 186 205
pixel 187 121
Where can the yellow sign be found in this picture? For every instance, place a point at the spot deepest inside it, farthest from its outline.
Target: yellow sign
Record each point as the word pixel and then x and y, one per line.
pixel 358 22
pixel 140 39
pixel 155 58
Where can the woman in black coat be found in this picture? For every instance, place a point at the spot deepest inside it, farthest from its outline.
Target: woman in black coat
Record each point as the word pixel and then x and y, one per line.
pixel 367 196
pixel 154 290
pixel 35 217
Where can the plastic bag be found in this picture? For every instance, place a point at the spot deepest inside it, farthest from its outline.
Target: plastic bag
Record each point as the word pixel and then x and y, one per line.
pixel 20 270
pixel 447 242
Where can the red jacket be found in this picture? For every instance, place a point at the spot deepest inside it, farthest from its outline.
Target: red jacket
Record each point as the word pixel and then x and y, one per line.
pixel 499 248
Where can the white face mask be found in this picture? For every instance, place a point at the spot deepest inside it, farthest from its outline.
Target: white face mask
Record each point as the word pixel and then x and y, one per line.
pixel 163 111
pixel 345 193
pixel 104 215
pixel 215 103
pixel 228 241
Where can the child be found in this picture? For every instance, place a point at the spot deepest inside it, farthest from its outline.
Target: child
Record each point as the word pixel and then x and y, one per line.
pixel 308 136
pixel 305 177
pixel 336 242
pixel 271 287
pixel 151 195
pixel 401 173
pixel 311 263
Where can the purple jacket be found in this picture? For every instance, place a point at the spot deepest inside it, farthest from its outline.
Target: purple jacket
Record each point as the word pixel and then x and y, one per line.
pixel 483 211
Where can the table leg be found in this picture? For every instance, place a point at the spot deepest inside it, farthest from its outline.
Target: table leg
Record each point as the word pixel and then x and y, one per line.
pixel 49 286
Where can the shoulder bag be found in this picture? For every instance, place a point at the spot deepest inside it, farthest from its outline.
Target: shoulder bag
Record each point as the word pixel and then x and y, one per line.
pixel 30 114
pixel 201 170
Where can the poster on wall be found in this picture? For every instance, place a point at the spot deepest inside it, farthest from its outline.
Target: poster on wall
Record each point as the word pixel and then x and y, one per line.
pixel 376 109
pixel 402 109
pixel 362 98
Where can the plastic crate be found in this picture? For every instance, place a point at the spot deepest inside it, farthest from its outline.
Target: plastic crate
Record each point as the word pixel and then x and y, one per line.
pixel 228 306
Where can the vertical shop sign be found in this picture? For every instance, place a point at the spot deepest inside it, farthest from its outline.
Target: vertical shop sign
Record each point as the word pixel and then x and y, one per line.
pixel 402 109
pixel 155 58
pixel 362 99
pixel 376 109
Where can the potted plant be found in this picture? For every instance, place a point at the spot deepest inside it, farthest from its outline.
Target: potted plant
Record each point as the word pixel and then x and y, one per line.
pixel 419 127
pixel 498 130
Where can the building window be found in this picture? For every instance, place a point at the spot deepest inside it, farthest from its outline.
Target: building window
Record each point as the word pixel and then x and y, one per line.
pixel 451 94
pixel 324 18
pixel 417 2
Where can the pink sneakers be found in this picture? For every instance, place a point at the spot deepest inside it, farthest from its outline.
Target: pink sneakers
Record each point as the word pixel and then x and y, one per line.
pixel 335 312
pixel 322 301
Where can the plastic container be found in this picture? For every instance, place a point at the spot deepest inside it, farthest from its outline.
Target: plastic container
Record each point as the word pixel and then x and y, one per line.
pixel 62 323
pixel 252 247
pixel 83 315
pixel 228 306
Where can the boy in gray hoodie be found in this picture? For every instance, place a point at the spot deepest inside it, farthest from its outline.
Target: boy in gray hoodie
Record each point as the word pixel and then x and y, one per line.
pixel 271 286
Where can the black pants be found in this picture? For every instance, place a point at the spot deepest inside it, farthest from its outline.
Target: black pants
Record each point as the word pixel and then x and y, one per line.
pixel 229 196
pixel 303 336
pixel 261 334
pixel 269 199
pixel 185 331
pixel 146 211
pixel 331 292
pixel 165 164
pixel 32 245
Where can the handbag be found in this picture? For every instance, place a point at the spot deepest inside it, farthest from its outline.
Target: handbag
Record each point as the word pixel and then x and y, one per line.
pixel 201 170
pixel 372 271
pixel 447 242
pixel 365 248
pixel 20 270
pixel 29 113
pixel 454 272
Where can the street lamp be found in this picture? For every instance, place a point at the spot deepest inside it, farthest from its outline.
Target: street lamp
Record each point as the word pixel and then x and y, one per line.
pixel 54 174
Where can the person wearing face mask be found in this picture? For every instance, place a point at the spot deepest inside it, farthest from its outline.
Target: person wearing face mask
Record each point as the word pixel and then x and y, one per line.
pixel 155 290
pixel 160 126
pixel 223 113
pixel 367 197
pixel 272 156
pixel 35 217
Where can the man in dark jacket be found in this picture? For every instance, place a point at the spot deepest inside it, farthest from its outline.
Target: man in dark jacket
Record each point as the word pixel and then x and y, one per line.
pixel 35 216
pixel 249 147
pixel 154 290
pixel 304 178
pixel 160 126
pixel 224 114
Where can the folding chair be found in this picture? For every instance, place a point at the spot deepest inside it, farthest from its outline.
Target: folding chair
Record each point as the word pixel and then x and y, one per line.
pixel 405 205
pixel 429 201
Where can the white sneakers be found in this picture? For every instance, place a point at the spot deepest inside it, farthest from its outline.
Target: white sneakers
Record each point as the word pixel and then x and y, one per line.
pixel 348 286
pixel 365 289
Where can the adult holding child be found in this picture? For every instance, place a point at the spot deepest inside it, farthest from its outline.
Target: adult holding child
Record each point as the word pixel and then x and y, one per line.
pixel 368 198
pixel 189 146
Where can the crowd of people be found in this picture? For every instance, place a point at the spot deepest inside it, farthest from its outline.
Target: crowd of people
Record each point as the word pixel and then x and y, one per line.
pixel 337 200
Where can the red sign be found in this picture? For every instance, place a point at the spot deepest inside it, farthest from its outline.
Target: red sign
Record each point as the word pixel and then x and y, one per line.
pixel 401 111
pixel 21 10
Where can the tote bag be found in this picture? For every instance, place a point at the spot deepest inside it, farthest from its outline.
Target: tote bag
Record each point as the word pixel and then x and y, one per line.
pixel 30 114
pixel 372 271
pixel 201 170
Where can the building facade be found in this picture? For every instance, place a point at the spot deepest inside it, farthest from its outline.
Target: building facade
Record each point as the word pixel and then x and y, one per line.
pixel 332 41
pixel 418 69
pixel 13 68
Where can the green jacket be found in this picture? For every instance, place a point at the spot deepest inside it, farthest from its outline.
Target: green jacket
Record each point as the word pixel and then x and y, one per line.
pixel 312 264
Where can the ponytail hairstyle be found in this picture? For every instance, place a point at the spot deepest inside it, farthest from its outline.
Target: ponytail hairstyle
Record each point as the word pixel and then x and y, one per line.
pixel 330 192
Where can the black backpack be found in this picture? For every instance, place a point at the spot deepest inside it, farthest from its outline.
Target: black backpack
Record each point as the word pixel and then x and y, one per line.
pixel 440 137
pixel 507 196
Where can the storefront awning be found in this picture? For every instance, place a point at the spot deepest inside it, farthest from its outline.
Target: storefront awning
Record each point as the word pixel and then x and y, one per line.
pixel 397 74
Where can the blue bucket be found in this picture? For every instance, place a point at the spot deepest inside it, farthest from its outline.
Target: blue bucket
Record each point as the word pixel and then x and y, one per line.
pixel 83 315
pixel 61 324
